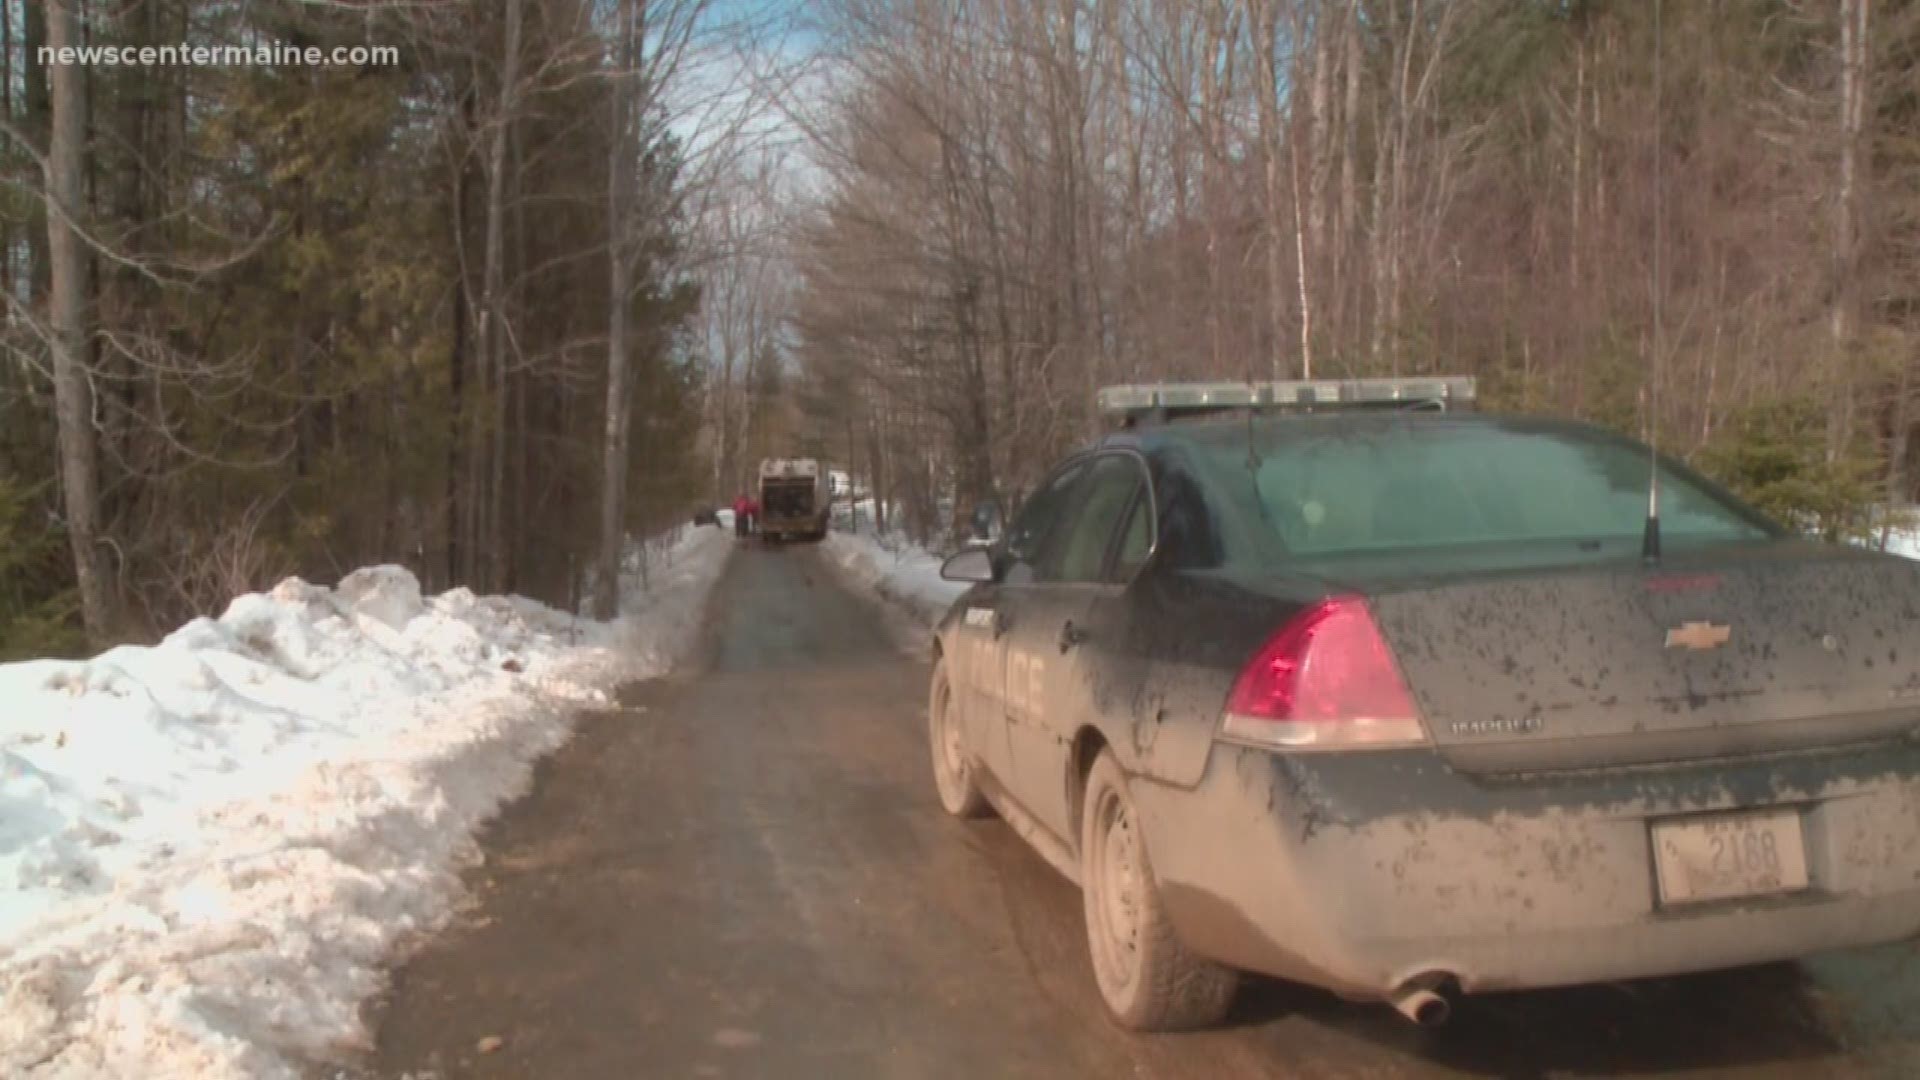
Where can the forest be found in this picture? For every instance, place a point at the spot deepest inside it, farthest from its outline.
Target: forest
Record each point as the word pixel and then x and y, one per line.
pixel 1694 222
pixel 563 270
pixel 275 319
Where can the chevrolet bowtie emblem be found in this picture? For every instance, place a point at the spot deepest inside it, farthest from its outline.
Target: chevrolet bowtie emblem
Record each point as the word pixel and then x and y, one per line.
pixel 1698 636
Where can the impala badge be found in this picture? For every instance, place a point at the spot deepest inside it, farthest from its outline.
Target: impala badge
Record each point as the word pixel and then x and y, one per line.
pixel 1698 636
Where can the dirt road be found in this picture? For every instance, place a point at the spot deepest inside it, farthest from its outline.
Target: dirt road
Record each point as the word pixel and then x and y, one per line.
pixel 746 874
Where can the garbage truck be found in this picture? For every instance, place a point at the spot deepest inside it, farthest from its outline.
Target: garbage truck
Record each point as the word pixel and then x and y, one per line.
pixel 794 501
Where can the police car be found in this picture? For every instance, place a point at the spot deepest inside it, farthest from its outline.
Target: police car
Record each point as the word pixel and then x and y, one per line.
pixel 1348 684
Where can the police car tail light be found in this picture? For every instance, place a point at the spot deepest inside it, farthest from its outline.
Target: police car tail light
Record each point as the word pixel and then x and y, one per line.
pixel 1325 681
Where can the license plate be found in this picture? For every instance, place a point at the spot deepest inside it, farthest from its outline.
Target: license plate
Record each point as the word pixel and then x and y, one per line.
pixel 1723 856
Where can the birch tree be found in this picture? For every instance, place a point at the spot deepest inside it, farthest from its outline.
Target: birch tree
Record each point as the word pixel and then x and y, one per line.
pixel 654 43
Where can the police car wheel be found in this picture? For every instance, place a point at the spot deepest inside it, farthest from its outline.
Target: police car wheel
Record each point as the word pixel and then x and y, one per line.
pixel 952 771
pixel 1148 979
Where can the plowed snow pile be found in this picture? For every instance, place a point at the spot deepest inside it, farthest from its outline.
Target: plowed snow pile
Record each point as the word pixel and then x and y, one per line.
pixel 896 569
pixel 209 848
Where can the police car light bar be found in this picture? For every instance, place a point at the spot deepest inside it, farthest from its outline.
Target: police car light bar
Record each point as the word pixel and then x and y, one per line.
pixel 1170 399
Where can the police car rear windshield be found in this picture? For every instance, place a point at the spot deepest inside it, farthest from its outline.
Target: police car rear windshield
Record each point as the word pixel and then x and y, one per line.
pixel 1351 486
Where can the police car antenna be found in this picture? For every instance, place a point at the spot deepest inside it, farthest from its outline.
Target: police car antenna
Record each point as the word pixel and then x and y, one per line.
pixel 1650 535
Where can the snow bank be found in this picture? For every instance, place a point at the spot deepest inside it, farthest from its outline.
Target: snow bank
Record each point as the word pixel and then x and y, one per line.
pixel 1904 543
pixel 209 848
pixel 895 569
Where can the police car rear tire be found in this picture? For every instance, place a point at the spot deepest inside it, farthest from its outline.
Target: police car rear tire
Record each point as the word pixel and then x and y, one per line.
pixel 1149 980
pixel 952 768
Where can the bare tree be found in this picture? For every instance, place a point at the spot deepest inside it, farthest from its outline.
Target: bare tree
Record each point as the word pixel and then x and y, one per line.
pixel 68 257
pixel 619 411
pixel 655 44
pixel 495 330
pixel 1850 186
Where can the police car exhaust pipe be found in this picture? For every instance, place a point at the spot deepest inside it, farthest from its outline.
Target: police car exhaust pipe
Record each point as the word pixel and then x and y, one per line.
pixel 1422 1006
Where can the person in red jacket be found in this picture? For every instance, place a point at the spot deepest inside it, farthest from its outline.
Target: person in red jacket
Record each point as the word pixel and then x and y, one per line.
pixel 740 514
pixel 753 515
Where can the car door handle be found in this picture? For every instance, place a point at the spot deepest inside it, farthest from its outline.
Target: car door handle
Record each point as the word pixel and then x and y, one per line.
pixel 1071 635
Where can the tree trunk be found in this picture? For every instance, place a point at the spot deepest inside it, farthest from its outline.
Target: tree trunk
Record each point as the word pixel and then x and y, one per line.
pixel 494 302
pixel 6 110
pixel 39 108
pixel 67 304
pixel 1377 243
pixel 6 60
pixel 878 474
pixel 457 418
pixel 1312 243
pixel 1575 233
pixel 1849 196
pixel 1396 214
pixel 1300 232
pixel 1339 285
pixel 515 442
pixel 721 394
pixel 619 413
pixel 1897 494
pixel 1216 89
pixel 1267 87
